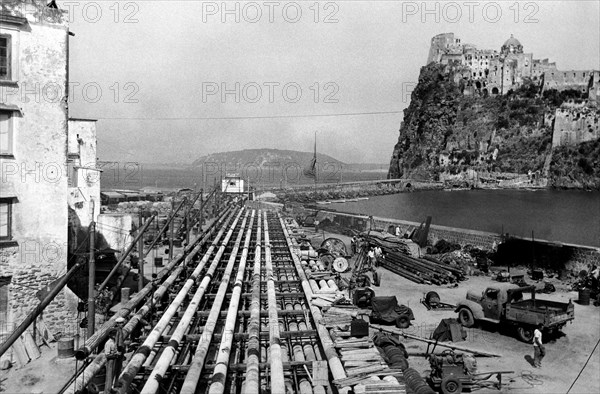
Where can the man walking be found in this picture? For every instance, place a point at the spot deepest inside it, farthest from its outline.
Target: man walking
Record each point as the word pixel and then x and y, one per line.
pixel 538 348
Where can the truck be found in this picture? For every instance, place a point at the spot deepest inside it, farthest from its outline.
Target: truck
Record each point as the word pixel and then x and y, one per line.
pixel 504 303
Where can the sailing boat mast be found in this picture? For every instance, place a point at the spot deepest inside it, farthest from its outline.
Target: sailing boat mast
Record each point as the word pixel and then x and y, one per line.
pixel 315 161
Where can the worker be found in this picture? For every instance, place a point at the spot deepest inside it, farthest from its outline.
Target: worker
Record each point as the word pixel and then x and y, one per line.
pixel 353 244
pixel 538 347
pixel 110 350
pixel 116 351
pixel 371 256
pixel 378 255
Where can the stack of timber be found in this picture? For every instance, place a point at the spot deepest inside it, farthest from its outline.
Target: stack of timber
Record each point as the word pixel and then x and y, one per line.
pixel 388 242
pixel 364 366
pixel 25 349
pixel 421 270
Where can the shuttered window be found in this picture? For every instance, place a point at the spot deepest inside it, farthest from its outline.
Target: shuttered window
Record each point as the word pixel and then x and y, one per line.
pixel 5 57
pixel 6 133
pixel 5 219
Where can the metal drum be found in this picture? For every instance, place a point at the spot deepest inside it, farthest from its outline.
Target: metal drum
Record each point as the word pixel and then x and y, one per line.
pixel 66 347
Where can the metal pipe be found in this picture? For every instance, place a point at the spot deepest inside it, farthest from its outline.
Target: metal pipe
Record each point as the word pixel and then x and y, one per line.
pixel 277 379
pixel 126 253
pixel 193 375
pixel 251 383
pixel 164 228
pixel 38 309
pixel 220 372
pixel 91 323
pixel 187 213
pixel 100 335
pixel 88 374
pixel 141 259
pixel 143 351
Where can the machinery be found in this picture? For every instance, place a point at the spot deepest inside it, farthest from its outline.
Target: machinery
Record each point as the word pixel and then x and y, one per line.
pixel 452 373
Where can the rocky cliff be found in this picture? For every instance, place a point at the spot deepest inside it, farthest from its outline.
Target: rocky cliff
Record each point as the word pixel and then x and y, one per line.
pixel 452 134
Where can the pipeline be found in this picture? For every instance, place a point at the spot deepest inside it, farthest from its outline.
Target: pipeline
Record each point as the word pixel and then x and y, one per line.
pixel 335 365
pixel 100 360
pixel 100 335
pixel 220 371
pixel 277 381
pixel 162 230
pixel 152 384
pixel 144 351
pixel 251 384
pixel 193 375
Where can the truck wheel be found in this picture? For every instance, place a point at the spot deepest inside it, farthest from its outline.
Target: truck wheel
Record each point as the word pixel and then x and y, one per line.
pixel 403 321
pixel 465 317
pixel 451 385
pixel 525 334
pixel 432 299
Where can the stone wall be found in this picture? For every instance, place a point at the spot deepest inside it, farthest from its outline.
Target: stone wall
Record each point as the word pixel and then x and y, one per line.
pixel 116 228
pixel 461 236
pixel 575 125
pixel 33 173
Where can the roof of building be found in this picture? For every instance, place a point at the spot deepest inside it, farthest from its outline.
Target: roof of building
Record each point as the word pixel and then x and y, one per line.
pixel 512 41
pixel 113 194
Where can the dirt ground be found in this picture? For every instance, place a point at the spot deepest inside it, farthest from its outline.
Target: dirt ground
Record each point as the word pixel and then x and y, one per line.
pixel 565 355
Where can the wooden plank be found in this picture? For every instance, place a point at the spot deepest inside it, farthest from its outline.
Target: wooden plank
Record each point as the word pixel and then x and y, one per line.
pixel 359 363
pixel 365 370
pixel 32 349
pixel 44 331
pixel 320 373
pixel 20 353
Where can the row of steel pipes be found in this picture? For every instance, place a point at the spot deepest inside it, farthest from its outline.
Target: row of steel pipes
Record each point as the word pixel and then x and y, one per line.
pixel 233 314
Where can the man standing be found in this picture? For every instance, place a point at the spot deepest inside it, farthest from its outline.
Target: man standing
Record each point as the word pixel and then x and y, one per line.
pixel 538 348
pixel 371 257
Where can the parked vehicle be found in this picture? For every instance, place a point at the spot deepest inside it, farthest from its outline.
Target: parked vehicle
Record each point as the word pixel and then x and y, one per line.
pixel 504 303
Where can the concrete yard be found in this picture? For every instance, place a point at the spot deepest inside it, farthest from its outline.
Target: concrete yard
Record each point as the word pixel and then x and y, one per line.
pixel 565 356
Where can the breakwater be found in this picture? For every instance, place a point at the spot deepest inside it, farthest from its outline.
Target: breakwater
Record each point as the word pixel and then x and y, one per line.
pixel 512 250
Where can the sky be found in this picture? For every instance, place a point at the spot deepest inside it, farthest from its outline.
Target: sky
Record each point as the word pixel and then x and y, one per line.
pixel 170 81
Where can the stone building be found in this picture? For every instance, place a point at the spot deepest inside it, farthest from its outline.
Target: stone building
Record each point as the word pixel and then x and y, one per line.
pixel 42 154
pixel 487 71
pixel 490 72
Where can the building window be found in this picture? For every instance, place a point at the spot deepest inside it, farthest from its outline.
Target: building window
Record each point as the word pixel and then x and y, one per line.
pixel 5 59
pixel 5 219
pixel 4 282
pixel 6 133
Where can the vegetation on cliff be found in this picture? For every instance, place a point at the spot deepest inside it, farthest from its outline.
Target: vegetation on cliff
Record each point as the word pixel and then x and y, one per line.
pixel 576 166
pixel 447 132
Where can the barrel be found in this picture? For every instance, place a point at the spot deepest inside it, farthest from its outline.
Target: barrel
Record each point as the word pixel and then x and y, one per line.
pixel 584 296
pixel 158 261
pixel 66 347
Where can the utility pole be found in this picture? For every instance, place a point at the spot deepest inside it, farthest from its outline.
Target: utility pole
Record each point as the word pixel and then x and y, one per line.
pixel 201 209
pixel 91 321
pixel 187 224
pixel 141 255
pixel 171 232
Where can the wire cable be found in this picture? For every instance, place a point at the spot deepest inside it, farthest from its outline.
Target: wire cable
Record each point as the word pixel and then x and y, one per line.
pixel 584 365
pixel 254 117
